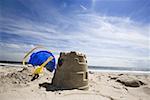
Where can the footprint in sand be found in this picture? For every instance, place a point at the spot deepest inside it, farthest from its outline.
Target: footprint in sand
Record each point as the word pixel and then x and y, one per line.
pixel 146 90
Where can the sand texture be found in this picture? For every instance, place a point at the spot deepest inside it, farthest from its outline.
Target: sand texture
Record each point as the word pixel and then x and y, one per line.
pixel 16 84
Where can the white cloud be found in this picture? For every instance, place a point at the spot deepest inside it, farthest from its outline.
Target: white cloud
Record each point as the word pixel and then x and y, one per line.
pixel 83 7
pixel 109 41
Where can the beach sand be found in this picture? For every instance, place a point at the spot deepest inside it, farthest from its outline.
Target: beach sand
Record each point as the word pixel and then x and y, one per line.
pixel 16 84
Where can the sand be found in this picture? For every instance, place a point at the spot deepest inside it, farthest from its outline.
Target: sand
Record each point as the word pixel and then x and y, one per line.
pixel 16 84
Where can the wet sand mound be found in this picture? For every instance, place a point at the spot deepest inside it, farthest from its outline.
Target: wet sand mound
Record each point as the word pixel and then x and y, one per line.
pixel 19 77
pixel 130 82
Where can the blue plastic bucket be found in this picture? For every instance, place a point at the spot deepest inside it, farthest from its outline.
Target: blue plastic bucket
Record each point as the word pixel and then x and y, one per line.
pixel 38 58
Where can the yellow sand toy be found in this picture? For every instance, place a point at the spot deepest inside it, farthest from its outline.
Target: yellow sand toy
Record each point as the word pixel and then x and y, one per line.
pixel 39 69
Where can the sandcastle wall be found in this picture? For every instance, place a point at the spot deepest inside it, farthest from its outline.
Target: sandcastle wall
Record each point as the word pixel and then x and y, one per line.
pixel 71 72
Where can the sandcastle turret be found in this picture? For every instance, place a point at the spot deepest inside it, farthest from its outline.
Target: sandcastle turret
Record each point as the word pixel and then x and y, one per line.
pixel 71 72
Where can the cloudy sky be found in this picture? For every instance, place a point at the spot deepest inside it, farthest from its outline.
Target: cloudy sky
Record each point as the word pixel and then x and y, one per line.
pixel 109 32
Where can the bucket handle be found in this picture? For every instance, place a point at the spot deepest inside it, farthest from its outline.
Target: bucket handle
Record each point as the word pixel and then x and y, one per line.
pixel 28 53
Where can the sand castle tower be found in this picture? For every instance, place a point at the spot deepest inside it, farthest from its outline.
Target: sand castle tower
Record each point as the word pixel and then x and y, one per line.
pixel 71 72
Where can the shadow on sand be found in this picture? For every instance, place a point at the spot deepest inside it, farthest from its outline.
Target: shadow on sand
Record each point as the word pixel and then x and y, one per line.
pixel 50 87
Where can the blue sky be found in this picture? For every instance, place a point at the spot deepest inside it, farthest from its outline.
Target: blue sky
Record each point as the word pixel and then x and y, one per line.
pixel 109 32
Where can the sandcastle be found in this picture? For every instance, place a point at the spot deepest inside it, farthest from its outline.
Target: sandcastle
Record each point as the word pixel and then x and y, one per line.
pixel 71 72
